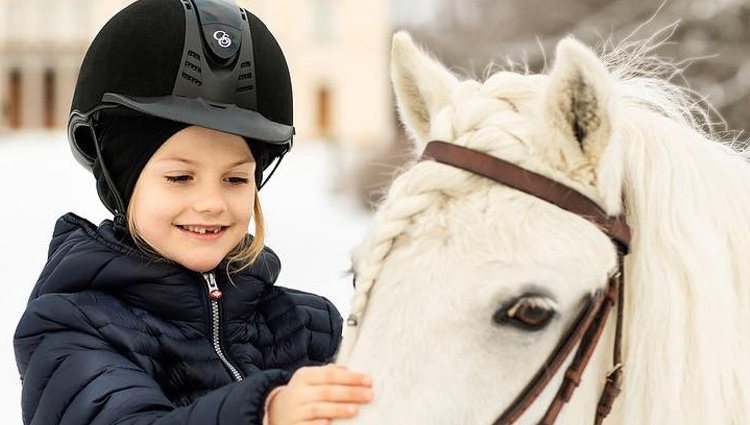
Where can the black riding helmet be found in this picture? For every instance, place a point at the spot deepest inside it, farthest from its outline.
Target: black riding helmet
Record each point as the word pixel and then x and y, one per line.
pixel 209 63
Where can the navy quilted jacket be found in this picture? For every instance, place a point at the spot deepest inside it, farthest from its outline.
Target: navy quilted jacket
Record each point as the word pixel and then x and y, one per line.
pixel 109 337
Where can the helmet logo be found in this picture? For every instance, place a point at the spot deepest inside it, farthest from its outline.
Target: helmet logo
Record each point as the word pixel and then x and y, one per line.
pixel 223 39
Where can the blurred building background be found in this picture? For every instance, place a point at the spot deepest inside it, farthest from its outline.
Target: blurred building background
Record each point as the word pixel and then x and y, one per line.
pixel 337 52
pixel 338 55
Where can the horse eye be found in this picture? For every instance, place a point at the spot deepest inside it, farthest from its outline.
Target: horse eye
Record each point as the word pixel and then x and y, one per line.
pixel 529 313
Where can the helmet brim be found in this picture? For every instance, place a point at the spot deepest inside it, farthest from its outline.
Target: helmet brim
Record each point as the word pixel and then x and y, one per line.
pixel 197 111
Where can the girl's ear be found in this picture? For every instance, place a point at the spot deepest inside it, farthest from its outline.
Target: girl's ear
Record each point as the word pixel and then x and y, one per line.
pixel 422 85
pixel 578 103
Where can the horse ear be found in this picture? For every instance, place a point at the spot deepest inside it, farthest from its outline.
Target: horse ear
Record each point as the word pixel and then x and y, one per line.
pixel 422 85
pixel 578 102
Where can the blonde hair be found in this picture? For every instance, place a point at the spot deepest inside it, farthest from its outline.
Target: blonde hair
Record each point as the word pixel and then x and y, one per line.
pixel 242 256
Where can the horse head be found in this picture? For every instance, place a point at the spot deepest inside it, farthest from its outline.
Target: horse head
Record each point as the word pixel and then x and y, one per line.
pixel 465 287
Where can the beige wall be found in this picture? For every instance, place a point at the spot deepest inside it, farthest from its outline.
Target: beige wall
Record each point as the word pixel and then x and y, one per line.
pixel 352 64
pixel 341 45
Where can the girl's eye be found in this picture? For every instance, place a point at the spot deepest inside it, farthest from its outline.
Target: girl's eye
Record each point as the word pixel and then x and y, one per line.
pixel 178 179
pixel 238 180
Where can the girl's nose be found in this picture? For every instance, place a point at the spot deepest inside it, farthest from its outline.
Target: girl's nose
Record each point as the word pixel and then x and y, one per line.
pixel 209 200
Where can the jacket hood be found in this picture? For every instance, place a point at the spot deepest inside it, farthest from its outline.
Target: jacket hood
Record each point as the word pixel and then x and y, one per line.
pixel 85 257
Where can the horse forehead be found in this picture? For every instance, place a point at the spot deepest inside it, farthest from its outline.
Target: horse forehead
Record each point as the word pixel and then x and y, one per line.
pixel 504 231
pixel 477 273
pixel 516 223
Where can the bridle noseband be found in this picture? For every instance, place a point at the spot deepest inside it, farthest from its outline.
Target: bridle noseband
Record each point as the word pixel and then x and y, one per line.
pixel 588 328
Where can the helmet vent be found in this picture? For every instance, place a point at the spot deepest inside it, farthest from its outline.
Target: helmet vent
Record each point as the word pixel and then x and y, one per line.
pixel 195 67
pixel 245 64
pixel 245 89
pixel 186 4
pixel 247 76
pixel 192 54
pixel 242 12
pixel 192 79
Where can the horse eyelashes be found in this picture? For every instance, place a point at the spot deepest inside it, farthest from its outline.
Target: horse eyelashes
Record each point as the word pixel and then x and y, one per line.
pixel 530 312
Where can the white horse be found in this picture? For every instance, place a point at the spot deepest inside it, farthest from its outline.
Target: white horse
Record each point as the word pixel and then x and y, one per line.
pixel 465 286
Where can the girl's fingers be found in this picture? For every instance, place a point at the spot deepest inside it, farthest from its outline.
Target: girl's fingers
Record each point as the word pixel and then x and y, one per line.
pixel 325 410
pixel 338 393
pixel 330 374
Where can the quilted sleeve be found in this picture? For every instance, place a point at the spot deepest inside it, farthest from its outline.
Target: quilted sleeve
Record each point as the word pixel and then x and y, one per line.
pixel 71 376
pixel 337 326
pixel 322 320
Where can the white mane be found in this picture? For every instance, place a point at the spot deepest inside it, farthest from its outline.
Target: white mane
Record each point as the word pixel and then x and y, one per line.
pixel 686 199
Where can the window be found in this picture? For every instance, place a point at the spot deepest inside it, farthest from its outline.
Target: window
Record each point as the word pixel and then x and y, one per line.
pixel 49 98
pixel 323 116
pixel 323 16
pixel 15 15
pixel 82 20
pixel 14 99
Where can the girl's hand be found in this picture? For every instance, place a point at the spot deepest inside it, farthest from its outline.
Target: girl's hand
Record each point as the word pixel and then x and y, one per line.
pixel 315 395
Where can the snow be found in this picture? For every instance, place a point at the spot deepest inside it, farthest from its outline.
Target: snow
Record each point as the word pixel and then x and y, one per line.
pixel 311 229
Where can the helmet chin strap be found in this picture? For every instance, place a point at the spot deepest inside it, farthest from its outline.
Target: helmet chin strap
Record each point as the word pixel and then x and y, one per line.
pixel 273 170
pixel 121 223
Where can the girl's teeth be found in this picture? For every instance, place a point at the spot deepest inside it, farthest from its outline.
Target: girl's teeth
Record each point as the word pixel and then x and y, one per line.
pixel 202 230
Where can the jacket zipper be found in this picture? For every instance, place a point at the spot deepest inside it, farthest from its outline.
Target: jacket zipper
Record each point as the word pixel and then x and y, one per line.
pixel 214 295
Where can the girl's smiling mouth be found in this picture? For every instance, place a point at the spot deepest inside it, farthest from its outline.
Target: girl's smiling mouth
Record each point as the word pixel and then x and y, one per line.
pixel 202 231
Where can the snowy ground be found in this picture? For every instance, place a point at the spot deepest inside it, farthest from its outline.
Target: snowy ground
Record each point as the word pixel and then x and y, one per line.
pixel 311 230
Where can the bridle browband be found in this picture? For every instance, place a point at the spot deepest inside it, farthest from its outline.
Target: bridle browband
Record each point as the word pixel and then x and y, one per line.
pixel 589 326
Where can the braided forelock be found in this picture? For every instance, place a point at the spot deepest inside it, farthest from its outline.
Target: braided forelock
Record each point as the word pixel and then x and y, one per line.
pixel 472 120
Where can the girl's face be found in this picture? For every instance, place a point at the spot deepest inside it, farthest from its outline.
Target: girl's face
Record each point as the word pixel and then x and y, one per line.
pixel 194 198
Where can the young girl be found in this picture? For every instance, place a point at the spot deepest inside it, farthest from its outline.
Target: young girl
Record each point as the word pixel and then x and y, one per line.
pixel 168 314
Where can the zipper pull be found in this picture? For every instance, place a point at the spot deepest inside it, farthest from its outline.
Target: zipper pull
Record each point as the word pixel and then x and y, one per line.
pixel 213 289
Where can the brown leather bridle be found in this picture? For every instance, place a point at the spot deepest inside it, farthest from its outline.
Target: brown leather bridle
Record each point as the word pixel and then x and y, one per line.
pixel 588 328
